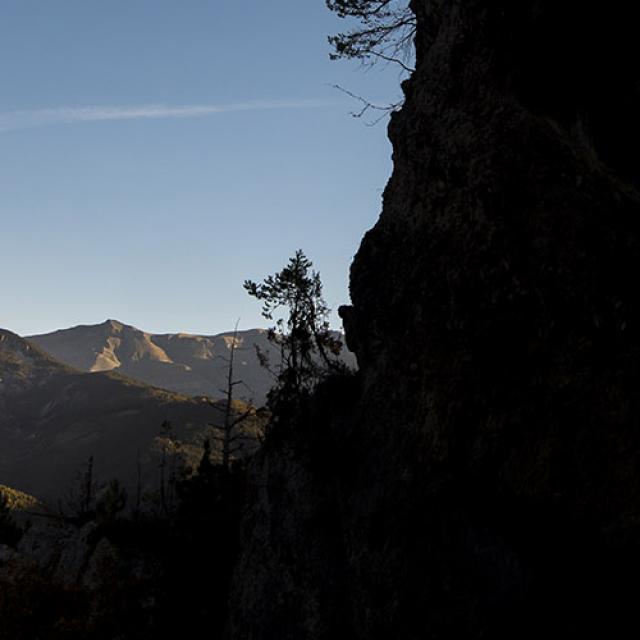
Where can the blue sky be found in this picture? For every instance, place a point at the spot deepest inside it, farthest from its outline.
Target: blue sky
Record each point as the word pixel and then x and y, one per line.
pixel 155 153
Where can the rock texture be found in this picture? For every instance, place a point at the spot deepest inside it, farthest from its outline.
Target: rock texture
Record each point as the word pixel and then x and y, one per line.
pixel 484 478
pixel 63 581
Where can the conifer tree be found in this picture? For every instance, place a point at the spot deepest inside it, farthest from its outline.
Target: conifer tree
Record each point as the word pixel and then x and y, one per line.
pixel 228 433
pixel 309 350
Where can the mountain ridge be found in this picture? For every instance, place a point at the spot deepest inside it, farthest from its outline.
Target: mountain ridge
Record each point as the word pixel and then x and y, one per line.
pixel 54 417
pixel 190 364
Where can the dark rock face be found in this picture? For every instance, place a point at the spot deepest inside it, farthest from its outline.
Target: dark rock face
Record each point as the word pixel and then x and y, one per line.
pixel 484 480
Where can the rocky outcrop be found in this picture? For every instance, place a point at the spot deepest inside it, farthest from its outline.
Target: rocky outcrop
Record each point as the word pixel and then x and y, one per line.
pixel 90 581
pixel 483 480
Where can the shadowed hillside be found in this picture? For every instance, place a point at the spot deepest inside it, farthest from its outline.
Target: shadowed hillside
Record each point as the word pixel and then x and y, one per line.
pixel 53 418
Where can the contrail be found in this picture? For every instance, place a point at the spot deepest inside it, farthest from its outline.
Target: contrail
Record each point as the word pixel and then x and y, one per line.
pixel 12 120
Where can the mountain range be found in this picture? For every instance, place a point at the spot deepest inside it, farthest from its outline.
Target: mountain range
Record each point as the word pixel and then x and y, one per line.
pixel 103 391
pixel 53 418
pixel 193 365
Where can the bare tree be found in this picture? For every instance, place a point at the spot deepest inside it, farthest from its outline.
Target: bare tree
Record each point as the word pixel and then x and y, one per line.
pixel 78 505
pixel 167 466
pixel 138 485
pixel 229 434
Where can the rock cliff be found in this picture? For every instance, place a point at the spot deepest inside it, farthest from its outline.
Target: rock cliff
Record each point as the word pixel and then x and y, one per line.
pixel 480 477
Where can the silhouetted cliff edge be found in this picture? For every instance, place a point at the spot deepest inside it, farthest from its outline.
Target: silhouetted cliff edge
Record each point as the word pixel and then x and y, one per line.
pixel 480 478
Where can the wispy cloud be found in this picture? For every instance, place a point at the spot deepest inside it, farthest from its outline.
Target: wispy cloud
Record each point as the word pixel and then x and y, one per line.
pixel 12 120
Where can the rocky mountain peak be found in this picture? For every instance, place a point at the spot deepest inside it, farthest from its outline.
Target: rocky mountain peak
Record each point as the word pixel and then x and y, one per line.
pixel 115 325
pixel 194 365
